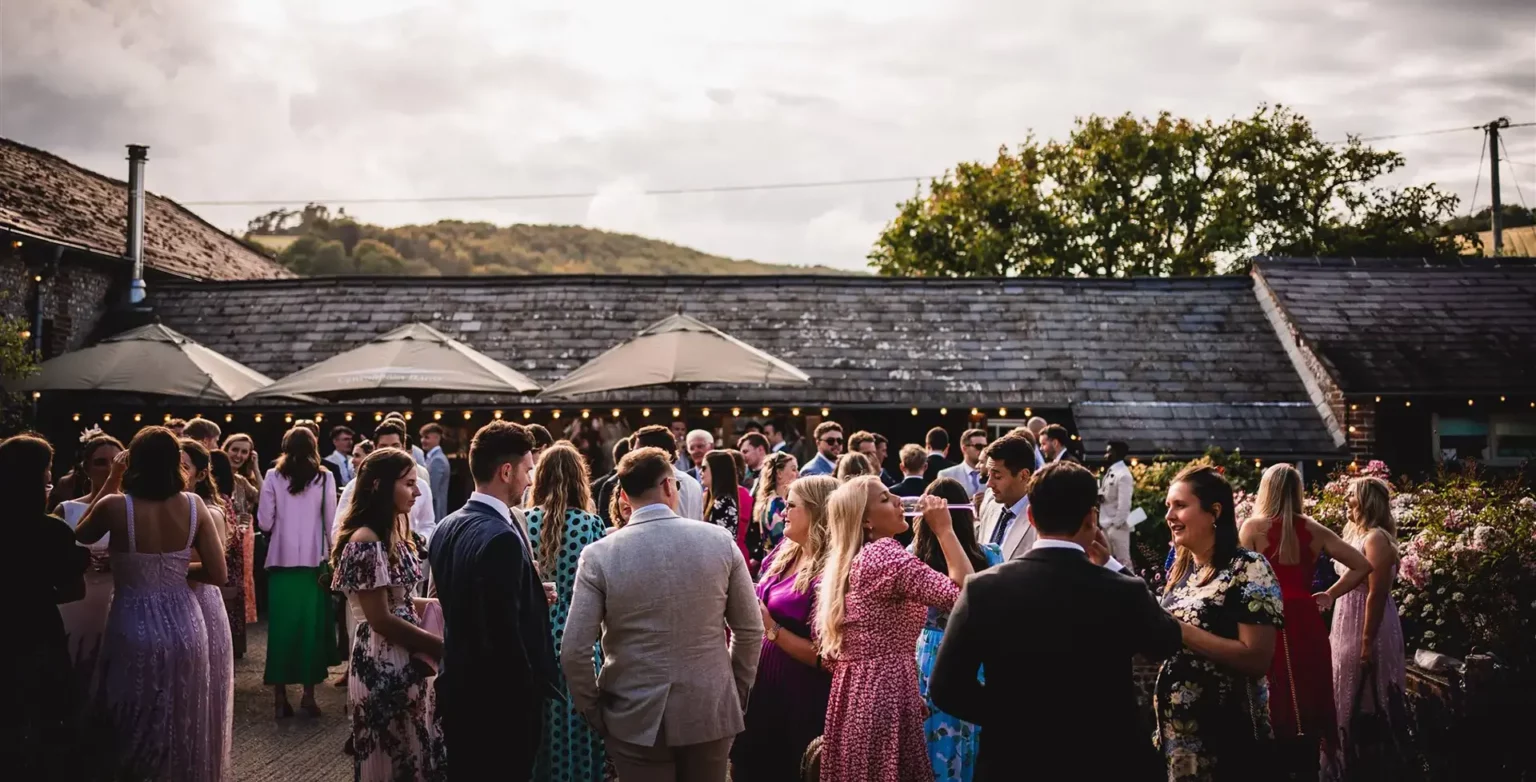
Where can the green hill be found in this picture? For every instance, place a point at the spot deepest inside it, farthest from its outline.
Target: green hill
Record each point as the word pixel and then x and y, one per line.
pixel 315 242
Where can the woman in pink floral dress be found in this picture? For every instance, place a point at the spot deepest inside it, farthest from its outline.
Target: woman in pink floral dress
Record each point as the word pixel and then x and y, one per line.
pixel 872 603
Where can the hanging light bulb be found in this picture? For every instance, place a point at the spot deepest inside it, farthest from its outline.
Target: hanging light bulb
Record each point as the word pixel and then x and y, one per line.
pixel 288 419
pixel 765 412
pixel 37 395
pixel 677 412
pixel 348 416
pixel 586 414
pixel 257 418
pixel 106 417
pixel 467 415
pixel 407 415
pixel 137 417
pixel 77 416
pixel 1028 411
pixel 645 412
pixel 975 412
pixel 735 412
pixel 1135 461
pixel 527 414
pixel 914 411
pixel 437 415
pixel 795 411
pixel 319 417
pixel 555 414
pixel 227 417
pixel 378 416
pixel 1002 412
pixel 615 412
pixel 705 411
pixel 1319 462
pixel 1501 397
pixel 168 418
pixel 1257 463
pixel 497 414
pixel 943 411
pixel 825 412
pixel 1469 403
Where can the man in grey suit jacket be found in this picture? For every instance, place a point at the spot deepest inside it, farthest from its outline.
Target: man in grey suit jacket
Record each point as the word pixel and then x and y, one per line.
pixel 662 589
pixel 1008 463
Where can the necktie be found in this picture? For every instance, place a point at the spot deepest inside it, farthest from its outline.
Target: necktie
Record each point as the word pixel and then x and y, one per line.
pixel 1002 526
pixel 975 487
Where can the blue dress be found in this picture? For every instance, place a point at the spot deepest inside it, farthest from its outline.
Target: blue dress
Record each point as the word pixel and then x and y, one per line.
pixel 571 751
pixel 952 744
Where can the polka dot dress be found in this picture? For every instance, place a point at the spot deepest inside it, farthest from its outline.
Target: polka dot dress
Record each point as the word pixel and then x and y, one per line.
pixel 572 751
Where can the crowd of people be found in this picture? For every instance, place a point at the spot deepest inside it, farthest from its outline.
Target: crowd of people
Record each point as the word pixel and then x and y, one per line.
pixel 691 612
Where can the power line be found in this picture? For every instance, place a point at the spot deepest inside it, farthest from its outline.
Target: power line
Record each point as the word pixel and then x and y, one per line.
pixel 1505 149
pixel 1481 156
pixel 560 196
pixel 1409 135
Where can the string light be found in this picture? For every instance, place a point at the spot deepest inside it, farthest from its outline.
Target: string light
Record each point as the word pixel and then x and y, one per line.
pixel 1319 462
pixel 467 415
pixel 943 411
pixel 408 415
pixel 555 413
pixel 1377 399
pixel 735 412
pixel 26 333
pixel 795 411
pixel 705 411
pixel 258 418
pixel 1135 461
pixel 1028 411
pixel 1002 411
pixel 1354 407
pixel 168 418
pixel 914 411
pixel 1351 429
pixel 319 417
pixel 765 412
pixel 37 278
pixel 229 417
pixel 1469 403
pixel 615 412
pixel 106 417
pixel 349 417
pixel 497 414
pixel 379 416
pixel 37 395
pixel 1407 403
pixel 527 414
pixel 137 417
pixel 1501 397
pixel 677 412
pixel 437 415
pixel 586 414
pixel 1258 463
pixel 288 419
pixel 975 412
pixel 645 412
pixel 825 412
pixel 77 416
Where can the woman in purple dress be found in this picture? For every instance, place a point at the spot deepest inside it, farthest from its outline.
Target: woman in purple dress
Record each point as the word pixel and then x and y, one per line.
pixel 789 699
pixel 197 464
pixel 152 686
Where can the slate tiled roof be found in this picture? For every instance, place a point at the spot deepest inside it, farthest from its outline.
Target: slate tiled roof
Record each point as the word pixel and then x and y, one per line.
pixel 1411 326
pixel 1262 428
pixel 46 196
pixel 864 341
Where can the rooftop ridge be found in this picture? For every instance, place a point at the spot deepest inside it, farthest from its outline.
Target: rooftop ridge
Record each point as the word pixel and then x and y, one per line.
pixel 1218 282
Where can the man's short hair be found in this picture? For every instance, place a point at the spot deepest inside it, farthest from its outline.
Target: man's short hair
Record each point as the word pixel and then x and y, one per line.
pixel 970 433
pixel 699 434
pixel 859 438
pixel 1060 495
pixel 1013 452
pixel 827 426
pixel 643 468
pixel 541 437
pixel 620 447
pixel 1120 447
pixel 656 436
pixel 1058 433
pixel 337 431
pixel 1025 433
pixel 388 428
pixel 497 443
pixel 880 439
pixel 937 439
pixel 201 429
pixel 753 439
pixel 432 428
pixel 176 423
pixel 914 459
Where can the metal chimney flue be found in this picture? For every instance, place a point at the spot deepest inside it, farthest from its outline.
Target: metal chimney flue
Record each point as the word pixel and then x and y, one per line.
pixel 137 155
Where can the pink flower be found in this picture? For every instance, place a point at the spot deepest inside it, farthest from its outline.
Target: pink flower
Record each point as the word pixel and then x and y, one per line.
pixel 1412 570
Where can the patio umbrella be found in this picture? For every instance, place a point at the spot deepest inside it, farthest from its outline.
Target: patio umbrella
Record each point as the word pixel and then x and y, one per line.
pixel 415 361
pixel 679 352
pixel 151 360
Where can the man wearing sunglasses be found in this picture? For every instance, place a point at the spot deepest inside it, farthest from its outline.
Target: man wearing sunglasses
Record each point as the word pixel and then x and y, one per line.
pixel 829 446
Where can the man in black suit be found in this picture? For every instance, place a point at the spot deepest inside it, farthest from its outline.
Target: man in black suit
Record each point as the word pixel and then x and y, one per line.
pixel 1056 631
pixel 913 462
pixel 498 663
pixel 937 441
pixel 1056 445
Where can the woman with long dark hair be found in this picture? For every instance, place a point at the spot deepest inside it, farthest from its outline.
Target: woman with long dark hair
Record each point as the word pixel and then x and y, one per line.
pixel 727 504
pixel 40 703
pixel 239 552
pixel 390 691
pixel 152 684
pixel 560 526
pixel 297 509
pixel 1211 700
pixel 1301 707
pixel 86 619
pixel 952 743
pixel 197 464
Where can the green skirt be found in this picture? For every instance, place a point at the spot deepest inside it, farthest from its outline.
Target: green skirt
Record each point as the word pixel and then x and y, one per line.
pixel 301 641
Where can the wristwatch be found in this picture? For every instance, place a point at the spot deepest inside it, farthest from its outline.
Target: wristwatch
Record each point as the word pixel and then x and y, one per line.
pixel 773 634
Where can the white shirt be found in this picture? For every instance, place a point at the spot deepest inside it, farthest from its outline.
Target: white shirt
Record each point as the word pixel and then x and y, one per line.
pixel 422 521
pixel 1113 564
pixel 1017 512
pixel 494 502
pixel 1115 489
pixel 690 499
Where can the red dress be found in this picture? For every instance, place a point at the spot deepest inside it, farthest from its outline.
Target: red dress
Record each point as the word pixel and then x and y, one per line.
pixel 1301 675
pixel 874 729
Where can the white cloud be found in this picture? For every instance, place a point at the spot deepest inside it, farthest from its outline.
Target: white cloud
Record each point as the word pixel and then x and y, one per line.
pixel 296 99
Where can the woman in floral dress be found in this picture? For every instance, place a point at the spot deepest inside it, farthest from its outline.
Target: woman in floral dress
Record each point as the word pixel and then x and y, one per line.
pixel 571 751
pixel 870 609
pixel 1211 700
pixel 952 742
pixel 396 736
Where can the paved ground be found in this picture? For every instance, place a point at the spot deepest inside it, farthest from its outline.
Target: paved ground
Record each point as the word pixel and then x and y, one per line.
pixel 298 749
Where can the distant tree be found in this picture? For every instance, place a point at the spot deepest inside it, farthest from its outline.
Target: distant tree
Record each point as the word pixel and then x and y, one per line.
pixel 271 223
pixel 16 361
pixel 1129 197
pixel 375 257
pixel 331 258
pixel 1514 216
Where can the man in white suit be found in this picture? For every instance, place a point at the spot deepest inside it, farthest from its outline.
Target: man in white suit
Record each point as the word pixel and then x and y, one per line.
pixel 969 471
pixel 672 695
pixel 1115 490
pixel 1008 463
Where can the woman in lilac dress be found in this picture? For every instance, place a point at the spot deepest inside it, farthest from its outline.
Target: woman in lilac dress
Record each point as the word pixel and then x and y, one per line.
pixel 196 465
pixel 1367 636
pixel 152 686
pixel 789 699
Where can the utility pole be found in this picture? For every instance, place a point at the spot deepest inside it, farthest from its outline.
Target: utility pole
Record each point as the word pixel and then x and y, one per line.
pixel 1493 182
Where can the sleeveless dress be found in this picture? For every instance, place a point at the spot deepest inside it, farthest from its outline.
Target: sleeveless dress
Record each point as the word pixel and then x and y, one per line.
pixel 1347 634
pixel 152 688
pixel 85 620
pixel 874 729
pixel 1301 673
pixel 952 742
pixel 221 677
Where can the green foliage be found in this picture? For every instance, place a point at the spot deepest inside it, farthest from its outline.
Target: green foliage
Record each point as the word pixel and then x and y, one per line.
pixel 1125 197
pixel 1150 539
pixel 1515 216
pixel 16 361
pixel 337 245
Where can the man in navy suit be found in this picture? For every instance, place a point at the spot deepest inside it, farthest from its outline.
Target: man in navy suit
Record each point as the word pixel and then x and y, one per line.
pixel 498 662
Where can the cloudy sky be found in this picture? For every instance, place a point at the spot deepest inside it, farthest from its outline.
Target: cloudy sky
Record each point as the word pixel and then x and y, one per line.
pixel 334 99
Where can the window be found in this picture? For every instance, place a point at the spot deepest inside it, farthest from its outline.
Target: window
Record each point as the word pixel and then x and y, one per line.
pixel 1514 437
pixel 1500 439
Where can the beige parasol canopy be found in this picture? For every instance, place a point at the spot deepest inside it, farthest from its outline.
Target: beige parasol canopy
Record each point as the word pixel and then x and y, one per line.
pixel 680 352
pixel 414 360
pixel 150 359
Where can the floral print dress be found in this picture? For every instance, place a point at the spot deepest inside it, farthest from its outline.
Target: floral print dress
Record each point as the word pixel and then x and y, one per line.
pixel 953 744
pixel 396 734
pixel 571 750
pixel 1210 719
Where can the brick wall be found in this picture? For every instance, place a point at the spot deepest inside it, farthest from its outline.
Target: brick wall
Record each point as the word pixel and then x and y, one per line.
pixel 1360 432
pixel 74 298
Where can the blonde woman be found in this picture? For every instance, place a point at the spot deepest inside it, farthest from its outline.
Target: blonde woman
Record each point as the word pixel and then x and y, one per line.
pixel 789 699
pixel 561 524
pixel 779 470
pixel 1301 708
pixel 870 609
pixel 1367 637
pixel 242 457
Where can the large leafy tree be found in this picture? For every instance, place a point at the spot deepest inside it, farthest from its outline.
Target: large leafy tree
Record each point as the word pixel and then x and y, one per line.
pixel 16 361
pixel 1124 196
